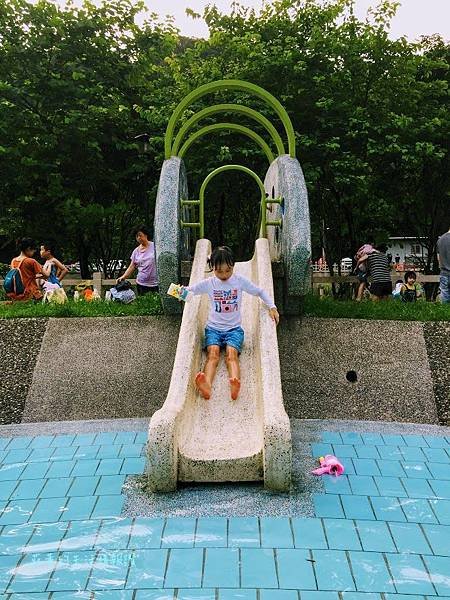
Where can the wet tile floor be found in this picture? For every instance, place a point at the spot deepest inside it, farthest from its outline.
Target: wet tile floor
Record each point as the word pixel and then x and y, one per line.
pixel 381 531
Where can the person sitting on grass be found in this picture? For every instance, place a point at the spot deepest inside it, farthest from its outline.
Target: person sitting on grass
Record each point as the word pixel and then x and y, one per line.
pixel 53 268
pixel 30 271
pixel 411 290
pixel 223 327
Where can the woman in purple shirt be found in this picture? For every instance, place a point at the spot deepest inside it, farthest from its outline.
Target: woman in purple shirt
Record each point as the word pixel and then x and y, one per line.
pixel 143 259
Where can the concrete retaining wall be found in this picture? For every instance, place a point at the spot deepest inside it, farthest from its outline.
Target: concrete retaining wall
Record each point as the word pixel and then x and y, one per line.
pixel 120 368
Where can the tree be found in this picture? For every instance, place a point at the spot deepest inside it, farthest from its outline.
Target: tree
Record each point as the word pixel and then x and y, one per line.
pixel 68 155
pixel 77 85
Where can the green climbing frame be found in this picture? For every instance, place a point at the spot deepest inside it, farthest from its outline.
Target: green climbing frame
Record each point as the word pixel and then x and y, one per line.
pixel 171 146
pixel 200 224
pixel 177 145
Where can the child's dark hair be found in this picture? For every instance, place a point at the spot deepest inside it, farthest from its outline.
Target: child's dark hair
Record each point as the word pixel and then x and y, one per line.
pixel 50 246
pixel 222 255
pixel 381 247
pixel 409 274
pixel 25 244
pixel 145 230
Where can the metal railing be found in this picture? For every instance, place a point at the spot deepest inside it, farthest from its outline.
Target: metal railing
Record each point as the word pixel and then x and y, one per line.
pixel 99 283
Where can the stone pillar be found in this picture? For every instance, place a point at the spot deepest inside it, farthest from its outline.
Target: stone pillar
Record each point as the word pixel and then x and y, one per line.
pixel 168 240
pixel 292 242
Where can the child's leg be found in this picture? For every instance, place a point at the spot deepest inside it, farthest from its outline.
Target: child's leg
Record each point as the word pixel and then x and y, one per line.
pixel 234 371
pixel 360 293
pixel 203 380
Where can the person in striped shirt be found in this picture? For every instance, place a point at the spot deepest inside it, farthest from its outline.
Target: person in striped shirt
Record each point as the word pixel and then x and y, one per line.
pixel 379 271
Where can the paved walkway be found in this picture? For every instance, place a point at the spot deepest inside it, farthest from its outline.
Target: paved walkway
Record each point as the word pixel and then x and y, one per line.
pixel 381 532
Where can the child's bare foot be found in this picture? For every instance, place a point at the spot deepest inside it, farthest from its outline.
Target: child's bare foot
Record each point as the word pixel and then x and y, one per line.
pixel 202 385
pixel 235 386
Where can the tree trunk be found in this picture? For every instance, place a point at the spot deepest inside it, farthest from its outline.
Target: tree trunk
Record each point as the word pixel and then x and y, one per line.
pixel 83 257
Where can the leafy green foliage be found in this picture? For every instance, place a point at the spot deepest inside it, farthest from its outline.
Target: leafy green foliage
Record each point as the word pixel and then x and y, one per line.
pixel 78 84
pixel 69 80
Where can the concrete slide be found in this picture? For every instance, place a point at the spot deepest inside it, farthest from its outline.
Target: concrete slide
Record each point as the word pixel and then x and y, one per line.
pixel 218 440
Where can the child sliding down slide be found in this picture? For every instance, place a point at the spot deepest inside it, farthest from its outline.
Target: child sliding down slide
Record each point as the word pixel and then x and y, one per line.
pixel 223 327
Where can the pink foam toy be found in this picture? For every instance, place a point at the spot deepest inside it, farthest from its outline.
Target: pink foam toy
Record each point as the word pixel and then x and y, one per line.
pixel 329 465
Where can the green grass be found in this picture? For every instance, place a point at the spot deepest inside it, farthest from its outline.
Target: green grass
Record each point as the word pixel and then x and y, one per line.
pixel 387 310
pixel 314 307
pixel 150 304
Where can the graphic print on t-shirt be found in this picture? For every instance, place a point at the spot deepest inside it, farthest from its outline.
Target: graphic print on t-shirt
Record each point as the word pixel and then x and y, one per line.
pixel 225 301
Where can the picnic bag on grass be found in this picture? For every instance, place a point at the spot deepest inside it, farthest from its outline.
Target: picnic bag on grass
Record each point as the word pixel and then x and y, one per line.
pixel 55 295
pixel 122 292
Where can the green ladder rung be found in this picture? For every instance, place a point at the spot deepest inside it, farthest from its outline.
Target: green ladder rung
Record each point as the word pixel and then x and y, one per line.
pixel 274 200
pixel 274 223
pixel 183 224
pixel 190 202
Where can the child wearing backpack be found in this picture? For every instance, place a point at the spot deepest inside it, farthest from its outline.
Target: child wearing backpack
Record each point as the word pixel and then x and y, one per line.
pixel 21 281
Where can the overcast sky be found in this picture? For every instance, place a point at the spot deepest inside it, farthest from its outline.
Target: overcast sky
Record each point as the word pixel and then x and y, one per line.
pixel 414 17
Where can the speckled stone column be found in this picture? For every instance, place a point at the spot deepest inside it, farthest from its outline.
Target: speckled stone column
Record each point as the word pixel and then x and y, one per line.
pixel 292 242
pixel 168 240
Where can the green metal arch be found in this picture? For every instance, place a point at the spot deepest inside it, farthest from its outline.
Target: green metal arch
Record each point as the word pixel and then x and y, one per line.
pixel 229 84
pixel 221 170
pixel 237 108
pixel 231 168
pixel 231 127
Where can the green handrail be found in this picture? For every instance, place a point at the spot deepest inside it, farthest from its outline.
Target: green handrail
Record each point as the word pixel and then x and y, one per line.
pixel 229 84
pixel 264 222
pixel 237 108
pixel 231 127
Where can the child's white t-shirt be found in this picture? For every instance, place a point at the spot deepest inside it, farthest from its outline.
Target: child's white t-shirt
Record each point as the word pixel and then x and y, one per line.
pixel 226 297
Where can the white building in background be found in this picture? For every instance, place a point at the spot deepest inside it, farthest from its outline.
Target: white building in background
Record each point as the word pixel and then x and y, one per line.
pixel 408 248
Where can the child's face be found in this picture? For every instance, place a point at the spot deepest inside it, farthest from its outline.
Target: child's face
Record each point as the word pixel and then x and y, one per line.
pixel 223 272
pixel 411 280
pixel 44 252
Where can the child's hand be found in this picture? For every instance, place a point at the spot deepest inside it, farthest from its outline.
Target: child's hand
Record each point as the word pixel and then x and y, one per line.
pixel 274 315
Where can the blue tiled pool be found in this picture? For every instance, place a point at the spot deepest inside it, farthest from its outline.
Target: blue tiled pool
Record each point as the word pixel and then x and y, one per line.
pixel 380 532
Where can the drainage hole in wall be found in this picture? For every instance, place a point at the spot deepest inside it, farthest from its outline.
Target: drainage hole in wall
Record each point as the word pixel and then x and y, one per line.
pixel 351 376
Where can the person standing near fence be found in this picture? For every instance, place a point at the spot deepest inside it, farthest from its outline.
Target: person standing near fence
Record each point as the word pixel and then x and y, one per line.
pixel 443 248
pixel 379 271
pixel 143 259
pixel 361 269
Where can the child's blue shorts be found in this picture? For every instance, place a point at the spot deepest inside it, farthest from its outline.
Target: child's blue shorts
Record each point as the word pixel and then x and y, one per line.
pixel 362 277
pixel 233 337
